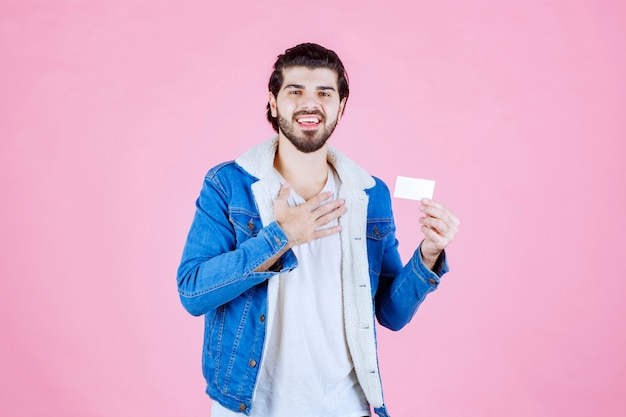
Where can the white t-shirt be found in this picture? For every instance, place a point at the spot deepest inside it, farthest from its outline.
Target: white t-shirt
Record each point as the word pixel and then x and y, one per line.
pixel 306 369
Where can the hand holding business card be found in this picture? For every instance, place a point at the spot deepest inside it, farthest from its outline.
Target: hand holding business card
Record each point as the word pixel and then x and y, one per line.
pixel 414 188
pixel 438 224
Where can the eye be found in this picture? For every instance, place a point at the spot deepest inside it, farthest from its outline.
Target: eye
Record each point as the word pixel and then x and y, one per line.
pixel 324 94
pixel 294 92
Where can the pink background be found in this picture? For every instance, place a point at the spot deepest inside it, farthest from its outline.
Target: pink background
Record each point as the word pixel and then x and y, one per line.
pixel 112 111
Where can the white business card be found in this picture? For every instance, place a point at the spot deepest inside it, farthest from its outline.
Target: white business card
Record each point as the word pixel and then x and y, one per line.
pixel 414 188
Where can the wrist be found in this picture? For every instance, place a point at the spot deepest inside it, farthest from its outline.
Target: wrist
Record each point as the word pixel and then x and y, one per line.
pixel 429 258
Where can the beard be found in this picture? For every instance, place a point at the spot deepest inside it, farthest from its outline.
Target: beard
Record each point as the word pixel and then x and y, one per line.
pixel 306 141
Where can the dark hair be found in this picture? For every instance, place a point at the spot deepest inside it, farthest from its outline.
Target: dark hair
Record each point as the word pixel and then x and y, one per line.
pixel 308 55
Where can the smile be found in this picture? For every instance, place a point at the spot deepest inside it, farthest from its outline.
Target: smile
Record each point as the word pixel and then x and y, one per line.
pixel 308 120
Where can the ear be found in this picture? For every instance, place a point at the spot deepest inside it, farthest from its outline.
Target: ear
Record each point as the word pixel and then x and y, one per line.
pixel 272 103
pixel 341 107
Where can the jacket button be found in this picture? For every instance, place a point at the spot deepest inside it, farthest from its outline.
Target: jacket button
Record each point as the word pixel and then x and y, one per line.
pixel 433 281
pixel 262 318
pixel 242 407
pixel 252 363
pixel 277 240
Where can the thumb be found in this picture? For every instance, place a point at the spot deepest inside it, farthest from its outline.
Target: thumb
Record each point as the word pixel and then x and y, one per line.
pixel 283 194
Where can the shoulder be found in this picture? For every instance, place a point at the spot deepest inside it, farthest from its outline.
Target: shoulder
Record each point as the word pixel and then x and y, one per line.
pixel 226 176
pixel 379 201
pixel 220 169
pixel 379 189
pixel 228 169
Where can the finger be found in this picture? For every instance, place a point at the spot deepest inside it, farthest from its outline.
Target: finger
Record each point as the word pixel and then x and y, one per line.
pixel 436 216
pixel 320 233
pixel 439 211
pixel 442 229
pixel 438 232
pixel 328 217
pixel 433 203
pixel 283 193
pixel 433 242
pixel 431 233
pixel 328 207
pixel 313 202
pixel 437 225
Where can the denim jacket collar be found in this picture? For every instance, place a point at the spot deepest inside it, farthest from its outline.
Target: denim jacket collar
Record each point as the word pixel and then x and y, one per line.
pixel 259 162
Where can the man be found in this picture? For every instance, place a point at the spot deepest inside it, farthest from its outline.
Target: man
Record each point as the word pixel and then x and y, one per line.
pixel 291 254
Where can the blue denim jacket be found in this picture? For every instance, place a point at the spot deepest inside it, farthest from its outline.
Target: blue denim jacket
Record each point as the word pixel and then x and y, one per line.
pixel 233 233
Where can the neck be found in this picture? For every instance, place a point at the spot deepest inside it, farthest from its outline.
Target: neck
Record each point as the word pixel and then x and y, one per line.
pixel 306 173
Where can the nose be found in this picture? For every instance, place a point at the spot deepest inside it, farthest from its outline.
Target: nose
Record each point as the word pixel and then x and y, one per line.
pixel 309 102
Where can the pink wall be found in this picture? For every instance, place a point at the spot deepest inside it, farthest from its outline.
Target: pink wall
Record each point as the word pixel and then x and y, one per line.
pixel 112 111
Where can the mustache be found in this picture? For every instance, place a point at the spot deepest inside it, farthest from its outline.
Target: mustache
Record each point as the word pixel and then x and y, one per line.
pixel 310 113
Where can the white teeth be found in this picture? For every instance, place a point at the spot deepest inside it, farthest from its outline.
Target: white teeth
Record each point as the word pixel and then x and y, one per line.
pixel 308 120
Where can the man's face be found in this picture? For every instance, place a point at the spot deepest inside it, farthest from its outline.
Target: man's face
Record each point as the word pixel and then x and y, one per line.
pixel 307 106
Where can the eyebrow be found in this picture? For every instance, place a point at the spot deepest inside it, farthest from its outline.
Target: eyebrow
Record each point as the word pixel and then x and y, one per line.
pixel 318 88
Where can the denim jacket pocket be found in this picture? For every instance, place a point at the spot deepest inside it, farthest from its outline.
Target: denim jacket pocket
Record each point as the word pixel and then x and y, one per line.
pixel 377 232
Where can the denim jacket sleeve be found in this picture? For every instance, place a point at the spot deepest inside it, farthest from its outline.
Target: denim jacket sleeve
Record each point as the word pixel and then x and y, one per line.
pixel 401 289
pixel 221 254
